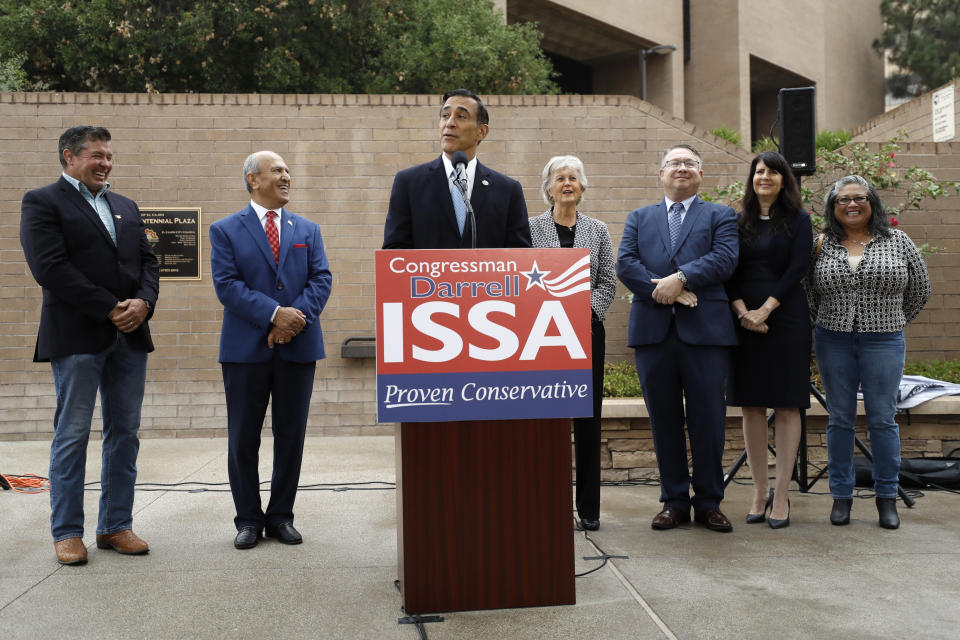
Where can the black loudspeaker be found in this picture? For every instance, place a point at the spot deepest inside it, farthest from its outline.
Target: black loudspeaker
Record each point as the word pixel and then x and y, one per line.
pixel 798 129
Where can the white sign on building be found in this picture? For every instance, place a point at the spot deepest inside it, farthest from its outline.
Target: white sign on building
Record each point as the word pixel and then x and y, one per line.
pixel 943 115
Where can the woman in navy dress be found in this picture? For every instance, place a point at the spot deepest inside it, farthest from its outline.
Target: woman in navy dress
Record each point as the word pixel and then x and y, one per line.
pixel 770 368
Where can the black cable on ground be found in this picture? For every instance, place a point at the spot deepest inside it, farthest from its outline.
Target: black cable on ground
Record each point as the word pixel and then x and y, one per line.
pixel 604 556
pixel 417 620
pixel 224 487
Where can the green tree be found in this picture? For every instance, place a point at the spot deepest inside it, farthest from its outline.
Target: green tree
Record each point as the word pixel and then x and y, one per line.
pixel 273 46
pixel 439 44
pixel 921 37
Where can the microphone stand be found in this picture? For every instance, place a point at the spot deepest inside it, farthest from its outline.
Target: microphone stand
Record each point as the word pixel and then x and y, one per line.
pixel 461 182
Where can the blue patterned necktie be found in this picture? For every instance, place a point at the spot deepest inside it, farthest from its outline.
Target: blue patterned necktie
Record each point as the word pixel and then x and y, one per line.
pixel 674 220
pixel 459 206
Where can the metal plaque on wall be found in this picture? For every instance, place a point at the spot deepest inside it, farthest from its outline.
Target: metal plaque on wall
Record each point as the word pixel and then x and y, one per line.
pixel 174 234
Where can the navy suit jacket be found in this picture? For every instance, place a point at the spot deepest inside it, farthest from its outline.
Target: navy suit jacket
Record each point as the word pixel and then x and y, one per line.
pixel 707 251
pixel 250 285
pixel 420 215
pixel 82 272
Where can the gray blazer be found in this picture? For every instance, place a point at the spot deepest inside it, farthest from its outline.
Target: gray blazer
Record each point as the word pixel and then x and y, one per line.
pixel 590 234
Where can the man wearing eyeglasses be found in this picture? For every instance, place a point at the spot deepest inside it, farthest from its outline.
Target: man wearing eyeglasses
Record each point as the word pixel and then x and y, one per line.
pixel 675 256
pixel 87 250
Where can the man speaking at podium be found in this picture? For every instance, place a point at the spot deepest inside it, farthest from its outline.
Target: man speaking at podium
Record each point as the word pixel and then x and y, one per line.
pixel 451 475
pixel 426 209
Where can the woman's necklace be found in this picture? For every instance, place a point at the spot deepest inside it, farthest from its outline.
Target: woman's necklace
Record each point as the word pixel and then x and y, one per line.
pixel 570 227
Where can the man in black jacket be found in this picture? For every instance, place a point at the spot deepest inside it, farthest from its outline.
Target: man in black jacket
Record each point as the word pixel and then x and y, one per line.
pixel 422 213
pixel 87 250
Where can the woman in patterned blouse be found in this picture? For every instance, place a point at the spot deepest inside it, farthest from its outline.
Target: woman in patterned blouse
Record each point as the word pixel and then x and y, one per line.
pixel 564 182
pixel 866 283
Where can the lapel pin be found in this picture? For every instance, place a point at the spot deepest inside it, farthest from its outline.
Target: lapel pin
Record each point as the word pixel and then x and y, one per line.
pixel 485 183
pixel 290 222
pixel 116 216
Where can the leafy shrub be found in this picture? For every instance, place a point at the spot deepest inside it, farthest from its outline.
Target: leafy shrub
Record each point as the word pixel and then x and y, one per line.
pixel 946 370
pixel 728 134
pixel 832 140
pixel 620 380
pixel 766 143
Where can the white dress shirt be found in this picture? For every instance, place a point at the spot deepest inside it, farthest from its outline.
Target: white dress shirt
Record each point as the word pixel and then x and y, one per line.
pixel 686 206
pixel 262 214
pixel 471 173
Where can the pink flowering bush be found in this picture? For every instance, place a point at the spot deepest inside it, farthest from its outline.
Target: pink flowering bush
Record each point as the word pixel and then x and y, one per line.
pixel 877 165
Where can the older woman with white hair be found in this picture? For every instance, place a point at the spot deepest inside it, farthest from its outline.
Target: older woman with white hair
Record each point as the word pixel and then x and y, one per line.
pixel 562 225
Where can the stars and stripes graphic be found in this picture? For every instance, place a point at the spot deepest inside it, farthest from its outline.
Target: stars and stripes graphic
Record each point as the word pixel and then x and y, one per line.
pixel 572 281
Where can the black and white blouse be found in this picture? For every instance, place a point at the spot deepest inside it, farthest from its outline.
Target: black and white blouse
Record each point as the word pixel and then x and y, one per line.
pixel 590 234
pixel 886 290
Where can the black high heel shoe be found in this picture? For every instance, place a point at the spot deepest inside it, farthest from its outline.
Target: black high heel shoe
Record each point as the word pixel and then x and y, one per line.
pixel 753 518
pixel 779 524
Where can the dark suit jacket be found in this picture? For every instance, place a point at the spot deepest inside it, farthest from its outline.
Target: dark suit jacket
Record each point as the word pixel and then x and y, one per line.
pixel 421 214
pixel 250 285
pixel 706 252
pixel 82 272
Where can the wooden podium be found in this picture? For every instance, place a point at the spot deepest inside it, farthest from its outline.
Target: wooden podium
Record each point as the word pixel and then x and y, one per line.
pixel 484 514
pixel 482 356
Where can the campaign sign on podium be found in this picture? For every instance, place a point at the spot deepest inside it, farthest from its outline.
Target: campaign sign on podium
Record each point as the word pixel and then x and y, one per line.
pixel 483 334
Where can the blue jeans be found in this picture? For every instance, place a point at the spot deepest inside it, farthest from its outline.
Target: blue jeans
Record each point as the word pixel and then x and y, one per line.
pixel 874 363
pixel 119 373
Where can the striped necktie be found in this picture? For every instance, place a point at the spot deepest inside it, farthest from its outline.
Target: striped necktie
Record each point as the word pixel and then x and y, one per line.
pixel 674 219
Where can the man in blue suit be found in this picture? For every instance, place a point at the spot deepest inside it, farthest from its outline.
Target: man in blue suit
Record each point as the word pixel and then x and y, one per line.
pixel 271 274
pixel 675 256
pixel 87 250
pixel 421 213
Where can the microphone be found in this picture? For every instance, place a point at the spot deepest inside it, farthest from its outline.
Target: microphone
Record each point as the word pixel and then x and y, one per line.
pixel 459 161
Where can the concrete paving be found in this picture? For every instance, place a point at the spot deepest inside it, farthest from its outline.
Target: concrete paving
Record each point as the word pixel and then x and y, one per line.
pixel 809 580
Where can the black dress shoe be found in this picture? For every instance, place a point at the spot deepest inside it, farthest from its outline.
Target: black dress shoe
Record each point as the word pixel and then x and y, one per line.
pixel 756 518
pixel 714 520
pixel 670 518
pixel 285 533
pixel 840 514
pixel 247 538
pixel 590 525
pixel 887 508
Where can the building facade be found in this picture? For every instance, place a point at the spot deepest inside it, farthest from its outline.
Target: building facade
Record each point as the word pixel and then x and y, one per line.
pixel 731 57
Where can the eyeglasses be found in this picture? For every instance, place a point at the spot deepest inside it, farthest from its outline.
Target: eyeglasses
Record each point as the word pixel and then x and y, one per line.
pixel 686 164
pixel 845 201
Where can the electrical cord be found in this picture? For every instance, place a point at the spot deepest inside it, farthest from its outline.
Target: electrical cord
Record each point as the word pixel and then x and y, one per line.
pixel 224 487
pixel 26 483
pixel 604 556
pixel 30 483
pixel 415 619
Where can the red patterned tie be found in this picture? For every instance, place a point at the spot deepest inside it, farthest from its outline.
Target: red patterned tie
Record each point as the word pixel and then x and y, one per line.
pixel 272 236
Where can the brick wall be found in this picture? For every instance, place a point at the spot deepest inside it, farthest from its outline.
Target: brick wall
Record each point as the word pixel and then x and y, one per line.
pixel 914 117
pixel 187 150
